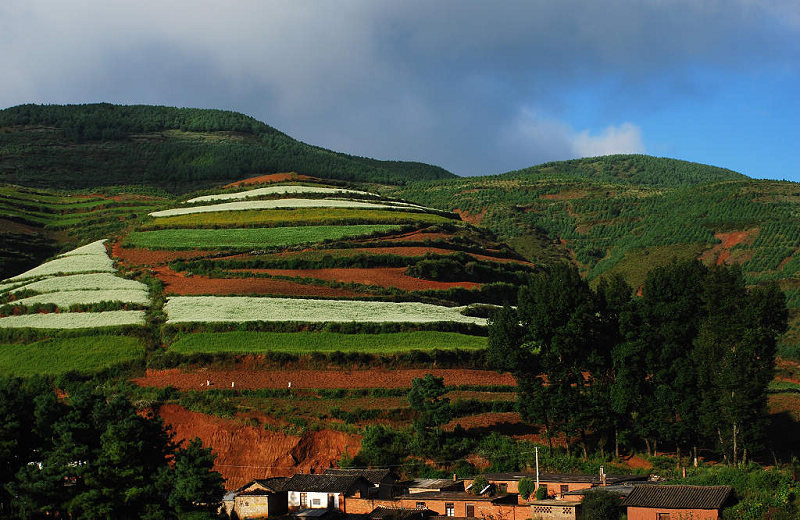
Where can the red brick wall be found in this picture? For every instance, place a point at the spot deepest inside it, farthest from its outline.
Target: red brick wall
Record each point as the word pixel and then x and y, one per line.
pixel 647 513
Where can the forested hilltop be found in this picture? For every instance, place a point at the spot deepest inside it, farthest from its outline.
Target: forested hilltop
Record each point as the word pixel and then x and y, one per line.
pixel 178 149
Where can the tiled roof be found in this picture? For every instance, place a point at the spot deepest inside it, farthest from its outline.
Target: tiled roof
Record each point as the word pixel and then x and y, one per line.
pixel 323 483
pixel 678 497
pixel 271 485
pixel 434 483
pixel 510 498
pixel 376 476
pixel 396 513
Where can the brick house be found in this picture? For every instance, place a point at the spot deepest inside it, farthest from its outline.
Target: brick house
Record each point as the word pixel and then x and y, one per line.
pixel 677 502
pixel 324 491
pixel 383 480
pixel 558 484
pixel 259 498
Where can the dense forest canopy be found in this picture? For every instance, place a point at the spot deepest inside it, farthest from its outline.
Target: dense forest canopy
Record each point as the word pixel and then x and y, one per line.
pixel 180 149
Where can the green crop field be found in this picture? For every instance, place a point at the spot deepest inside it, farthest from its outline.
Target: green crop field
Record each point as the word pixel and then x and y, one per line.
pixel 177 239
pixel 294 217
pixel 243 342
pixel 85 354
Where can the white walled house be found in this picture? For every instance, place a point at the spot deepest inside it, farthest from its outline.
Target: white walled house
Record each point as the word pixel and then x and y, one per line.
pixel 324 491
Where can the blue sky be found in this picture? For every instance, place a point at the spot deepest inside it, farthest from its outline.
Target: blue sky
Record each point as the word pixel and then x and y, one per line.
pixel 476 87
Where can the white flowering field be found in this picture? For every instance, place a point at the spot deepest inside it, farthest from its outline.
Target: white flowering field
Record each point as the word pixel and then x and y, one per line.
pixel 86 259
pixel 282 204
pixel 74 320
pixel 95 248
pixel 182 309
pixel 82 282
pixel 64 299
pixel 275 190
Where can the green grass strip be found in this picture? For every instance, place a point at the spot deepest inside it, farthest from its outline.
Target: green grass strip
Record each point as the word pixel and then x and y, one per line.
pixel 177 239
pixel 85 354
pixel 300 216
pixel 245 342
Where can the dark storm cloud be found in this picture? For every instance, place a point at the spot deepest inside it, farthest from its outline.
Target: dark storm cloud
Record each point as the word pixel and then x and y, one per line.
pixel 477 87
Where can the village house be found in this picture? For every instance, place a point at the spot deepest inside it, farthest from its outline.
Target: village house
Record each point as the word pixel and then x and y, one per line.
pixel 433 484
pixel 677 502
pixel 324 491
pixel 558 485
pixel 555 510
pixel 383 480
pixel 459 504
pixel 257 499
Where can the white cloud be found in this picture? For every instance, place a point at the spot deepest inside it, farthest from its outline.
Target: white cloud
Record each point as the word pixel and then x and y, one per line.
pixel 625 138
pixel 531 138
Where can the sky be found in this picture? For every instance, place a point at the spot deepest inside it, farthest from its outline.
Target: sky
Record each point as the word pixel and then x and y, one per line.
pixel 476 87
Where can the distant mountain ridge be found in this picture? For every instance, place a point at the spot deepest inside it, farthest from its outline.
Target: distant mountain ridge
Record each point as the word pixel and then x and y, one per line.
pixel 643 170
pixel 178 149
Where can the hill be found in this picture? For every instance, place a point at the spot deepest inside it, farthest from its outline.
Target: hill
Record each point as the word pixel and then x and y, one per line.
pixel 627 214
pixel 281 276
pixel 178 149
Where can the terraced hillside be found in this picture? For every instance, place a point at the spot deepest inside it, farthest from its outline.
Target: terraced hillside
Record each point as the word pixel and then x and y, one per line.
pixel 220 300
pixel 628 214
pixel 36 224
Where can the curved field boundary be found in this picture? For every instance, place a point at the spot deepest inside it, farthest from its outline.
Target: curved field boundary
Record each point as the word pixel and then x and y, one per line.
pixel 235 309
pixel 65 299
pixel 286 204
pixel 380 276
pixel 295 217
pixel 246 379
pixel 177 239
pixel 83 282
pixel 277 190
pixel 248 342
pixel 84 354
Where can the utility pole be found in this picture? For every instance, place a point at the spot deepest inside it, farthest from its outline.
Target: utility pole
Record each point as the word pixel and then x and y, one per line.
pixel 536 449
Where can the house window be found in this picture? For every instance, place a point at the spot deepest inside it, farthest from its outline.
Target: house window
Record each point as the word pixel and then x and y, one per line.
pixel 303 499
pixel 564 489
pixel 449 509
pixel 545 488
pixel 420 505
pixel 663 516
pixel 315 502
pixel 470 511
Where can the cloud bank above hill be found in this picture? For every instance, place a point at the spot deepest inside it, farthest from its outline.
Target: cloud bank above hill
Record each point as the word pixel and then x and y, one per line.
pixel 476 87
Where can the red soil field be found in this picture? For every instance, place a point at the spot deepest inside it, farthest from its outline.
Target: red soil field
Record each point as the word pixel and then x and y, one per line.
pixel 720 253
pixel 247 452
pixel 268 179
pixel 178 284
pixel 137 256
pixel 247 379
pixel 506 423
pixel 381 276
pixel 389 250
pixel 472 218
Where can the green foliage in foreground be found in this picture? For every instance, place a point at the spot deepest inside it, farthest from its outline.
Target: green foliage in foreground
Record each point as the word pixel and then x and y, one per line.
pixel 176 239
pixel 83 354
pixel 98 457
pixel 760 492
pixel 304 342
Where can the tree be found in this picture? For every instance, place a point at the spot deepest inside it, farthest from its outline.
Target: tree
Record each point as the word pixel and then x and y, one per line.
pixel 601 505
pixel 526 487
pixel 433 410
pixel 104 459
pixel 195 485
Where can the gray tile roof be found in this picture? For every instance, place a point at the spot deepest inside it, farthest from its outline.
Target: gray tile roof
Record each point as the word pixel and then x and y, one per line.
pixel 376 476
pixel 679 497
pixel 324 483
